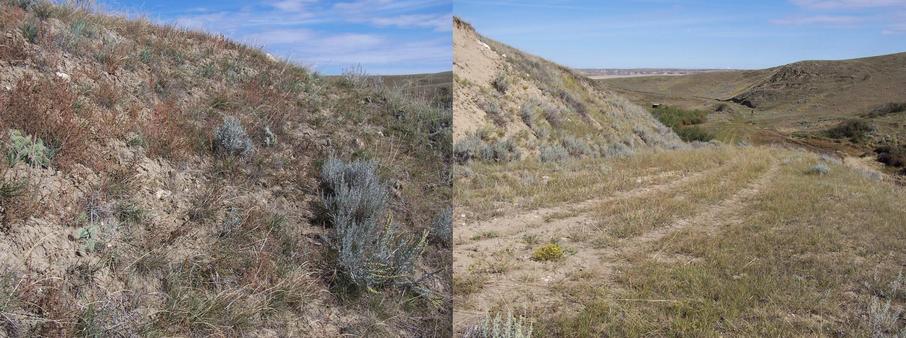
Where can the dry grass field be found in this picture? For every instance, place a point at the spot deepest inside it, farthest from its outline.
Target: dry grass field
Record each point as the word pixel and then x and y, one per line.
pixel 722 241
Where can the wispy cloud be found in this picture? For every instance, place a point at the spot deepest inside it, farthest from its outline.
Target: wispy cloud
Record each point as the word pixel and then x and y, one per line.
pixel 848 4
pixel 331 35
pixel 898 26
pixel 825 20
pixel 848 13
pixel 440 23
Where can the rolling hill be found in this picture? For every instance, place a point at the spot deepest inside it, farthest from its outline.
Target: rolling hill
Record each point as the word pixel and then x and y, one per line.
pixel 510 105
pixel 799 103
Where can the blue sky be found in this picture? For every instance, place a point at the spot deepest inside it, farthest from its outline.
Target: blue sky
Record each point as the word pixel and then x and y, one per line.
pixel 384 36
pixel 691 34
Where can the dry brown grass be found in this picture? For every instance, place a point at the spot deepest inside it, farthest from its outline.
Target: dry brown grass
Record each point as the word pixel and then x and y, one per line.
pixel 490 188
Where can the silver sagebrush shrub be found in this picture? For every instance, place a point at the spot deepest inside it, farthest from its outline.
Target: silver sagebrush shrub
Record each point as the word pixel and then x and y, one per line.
pixel 442 227
pixel 554 153
pixel 232 139
pixel 371 250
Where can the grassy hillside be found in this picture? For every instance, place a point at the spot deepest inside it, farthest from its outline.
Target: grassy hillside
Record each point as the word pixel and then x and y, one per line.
pixel 510 105
pixel 163 182
pixel 804 102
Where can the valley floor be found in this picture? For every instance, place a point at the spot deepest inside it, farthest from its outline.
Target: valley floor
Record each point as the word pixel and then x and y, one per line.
pixel 703 242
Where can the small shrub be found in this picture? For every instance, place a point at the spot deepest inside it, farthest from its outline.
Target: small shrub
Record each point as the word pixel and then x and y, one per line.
pixel 554 153
pixel 466 149
pixel 501 83
pixel 145 56
pixel 128 212
pixel 497 327
pixel 575 146
pixel 442 227
pixel 576 103
pixel 10 189
pixel 694 133
pixel 552 114
pixel 30 31
pixel 527 113
pixel 819 169
pixel 674 117
pixel 499 151
pixel 23 4
pixel 231 138
pixel 492 107
pixel 27 148
pixel 883 317
pixel 887 108
pixel 43 10
pixel 616 150
pixel 548 252
pixel 371 252
pixel 270 139
pixel 854 130
pixel 892 155
pixel 87 236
